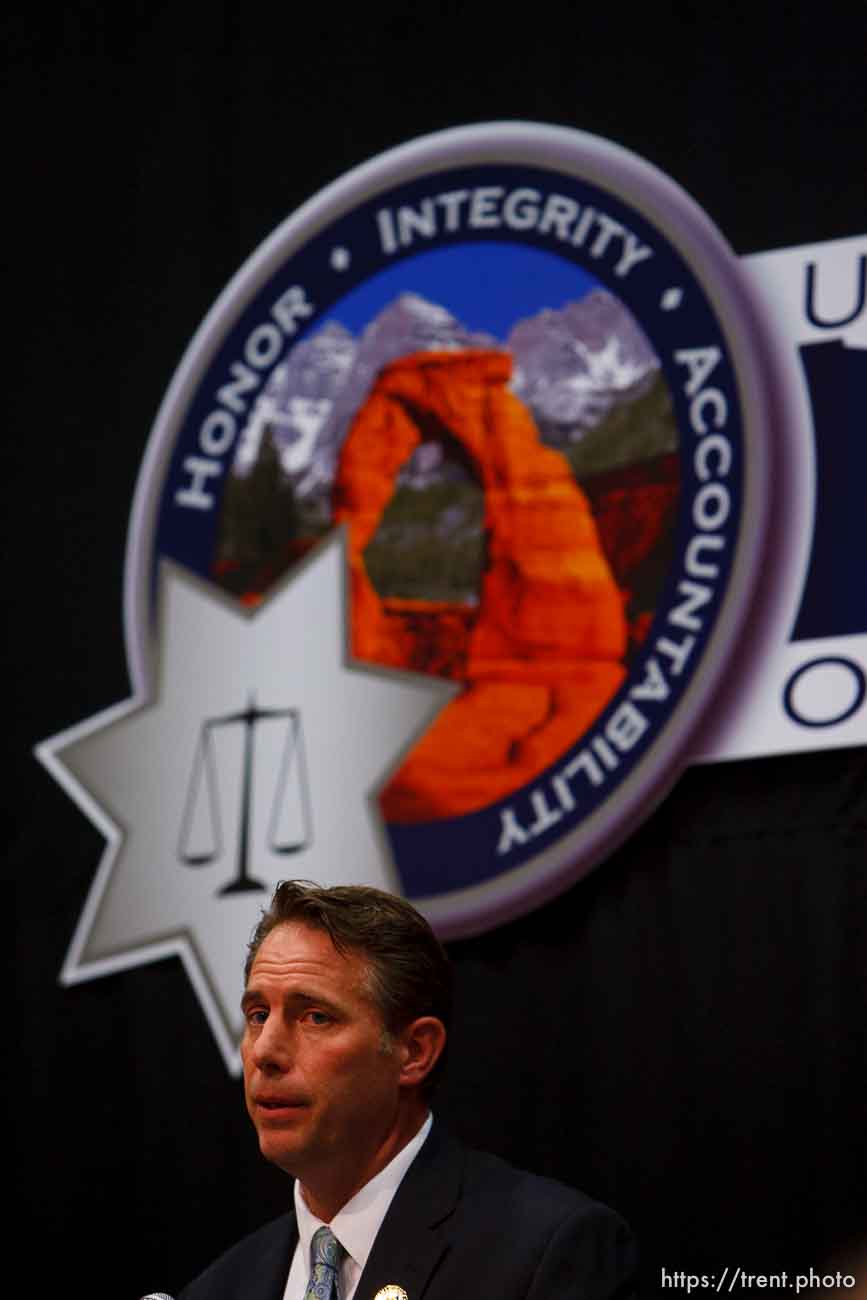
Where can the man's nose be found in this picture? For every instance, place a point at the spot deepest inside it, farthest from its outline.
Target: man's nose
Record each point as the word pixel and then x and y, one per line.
pixel 272 1047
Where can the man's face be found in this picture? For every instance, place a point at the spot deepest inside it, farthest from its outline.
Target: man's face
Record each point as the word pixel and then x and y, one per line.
pixel 320 1083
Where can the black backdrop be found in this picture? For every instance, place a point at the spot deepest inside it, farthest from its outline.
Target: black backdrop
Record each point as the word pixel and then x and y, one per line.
pixel 683 1033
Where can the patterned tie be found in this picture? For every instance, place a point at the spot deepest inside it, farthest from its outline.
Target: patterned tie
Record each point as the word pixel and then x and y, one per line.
pixel 327 1254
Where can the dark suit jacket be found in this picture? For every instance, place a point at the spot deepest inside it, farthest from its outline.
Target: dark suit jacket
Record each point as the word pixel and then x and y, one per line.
pixel 462 1224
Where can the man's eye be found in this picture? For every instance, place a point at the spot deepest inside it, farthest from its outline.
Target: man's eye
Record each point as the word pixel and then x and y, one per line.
pixel 256 1016
pixel 317 1017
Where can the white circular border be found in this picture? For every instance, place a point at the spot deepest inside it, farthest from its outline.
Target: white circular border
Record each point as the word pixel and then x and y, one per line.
pixel 750 342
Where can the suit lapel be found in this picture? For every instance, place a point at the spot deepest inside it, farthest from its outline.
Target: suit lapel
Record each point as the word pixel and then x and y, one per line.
pixel 266 1279
pixel 415 1234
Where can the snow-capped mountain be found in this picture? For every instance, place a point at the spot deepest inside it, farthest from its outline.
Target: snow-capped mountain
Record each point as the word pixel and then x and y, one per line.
pixel 298 399
pixel 313 395
pixel 573 365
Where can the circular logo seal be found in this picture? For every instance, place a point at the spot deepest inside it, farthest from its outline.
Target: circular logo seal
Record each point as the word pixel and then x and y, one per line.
pixel 521 371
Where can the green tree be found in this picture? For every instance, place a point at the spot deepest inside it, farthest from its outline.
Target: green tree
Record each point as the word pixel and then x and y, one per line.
pixel 260 523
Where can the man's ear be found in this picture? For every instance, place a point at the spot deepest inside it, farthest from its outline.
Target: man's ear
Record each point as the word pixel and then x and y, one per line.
pixel 420 1045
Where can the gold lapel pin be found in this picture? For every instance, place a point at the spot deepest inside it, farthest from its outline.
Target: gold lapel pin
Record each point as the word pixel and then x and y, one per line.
pixel 391 1292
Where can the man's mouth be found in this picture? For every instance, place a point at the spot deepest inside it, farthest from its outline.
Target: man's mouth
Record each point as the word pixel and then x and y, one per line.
pixel 279 1103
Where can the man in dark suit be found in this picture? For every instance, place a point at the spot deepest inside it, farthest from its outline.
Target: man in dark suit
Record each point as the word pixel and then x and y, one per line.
pixel 347 1002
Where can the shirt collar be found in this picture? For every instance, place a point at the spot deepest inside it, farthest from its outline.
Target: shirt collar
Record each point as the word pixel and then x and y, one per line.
pixel 355 1226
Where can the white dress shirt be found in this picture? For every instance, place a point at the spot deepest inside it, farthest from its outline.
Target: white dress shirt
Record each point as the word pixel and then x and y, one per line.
pixel 355 1226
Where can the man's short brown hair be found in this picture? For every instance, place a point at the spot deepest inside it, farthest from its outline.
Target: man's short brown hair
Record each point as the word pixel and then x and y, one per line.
pixel 409 972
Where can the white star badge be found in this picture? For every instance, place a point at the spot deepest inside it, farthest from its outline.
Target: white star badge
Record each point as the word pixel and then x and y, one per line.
pixel 255 757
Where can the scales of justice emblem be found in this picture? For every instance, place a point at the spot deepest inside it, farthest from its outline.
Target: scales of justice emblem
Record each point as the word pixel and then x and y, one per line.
pixel 290 828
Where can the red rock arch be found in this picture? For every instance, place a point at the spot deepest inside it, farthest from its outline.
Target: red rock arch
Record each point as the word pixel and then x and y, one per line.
pixel 546 650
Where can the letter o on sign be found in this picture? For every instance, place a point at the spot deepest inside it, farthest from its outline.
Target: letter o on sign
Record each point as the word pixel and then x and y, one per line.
pixel 824 692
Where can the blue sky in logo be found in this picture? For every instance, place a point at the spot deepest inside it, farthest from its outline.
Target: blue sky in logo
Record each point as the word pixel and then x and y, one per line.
pixel 487 286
